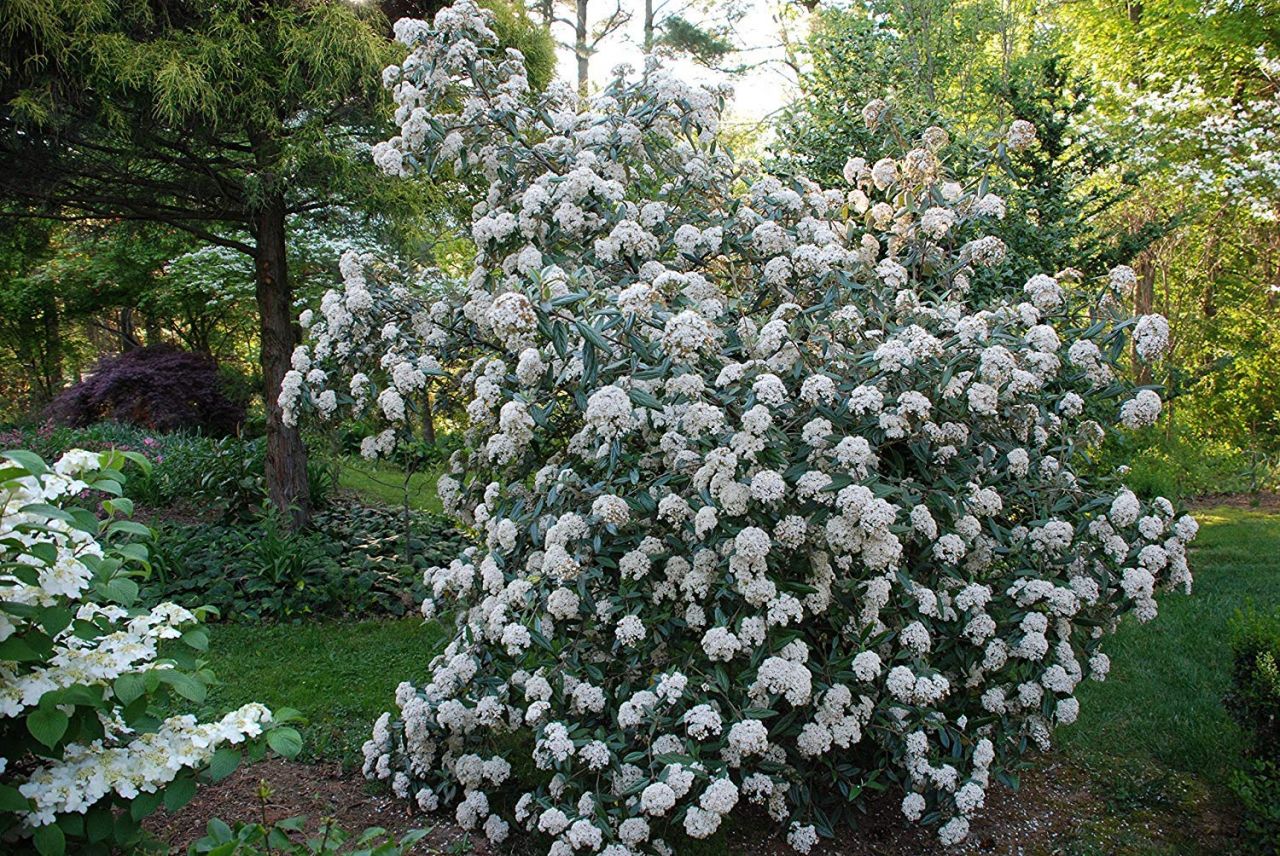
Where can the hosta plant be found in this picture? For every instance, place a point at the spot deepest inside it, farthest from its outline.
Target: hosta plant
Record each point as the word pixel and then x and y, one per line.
pixel 772 510
pixel 88 745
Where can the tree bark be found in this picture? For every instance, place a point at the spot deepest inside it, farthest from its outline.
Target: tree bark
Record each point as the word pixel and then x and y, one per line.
pixel 286 456
pixel 580 48
pixel 52 380
pixel 428 420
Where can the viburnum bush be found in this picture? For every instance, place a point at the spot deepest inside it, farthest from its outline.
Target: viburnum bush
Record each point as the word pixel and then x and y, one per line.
pixel 85 749
pixel 771 511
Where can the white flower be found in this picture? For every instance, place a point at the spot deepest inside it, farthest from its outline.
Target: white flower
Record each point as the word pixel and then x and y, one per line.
pixel 749 737
pixel 802 838
pixel 1151 337
pixel 913 806
pixel 609 412
pixel 1021 135
pixel 630 631
pixel 657 799
pixel 1141 410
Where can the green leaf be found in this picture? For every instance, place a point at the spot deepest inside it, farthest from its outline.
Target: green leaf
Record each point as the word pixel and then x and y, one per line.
pixel 17 650
pixel 137 552
pixel 98 823
pixel 218 830
pixel 593 336
pixel 645 399
pixel 129 687
pixel 179 793
pixel 50 840
pixel 197 639
pixel 119 505
pixel 143 804
pixel 47 724
pixel 122 590
pixel 287 714
pixel 223 763
pixel 12 800
pixel 55 619
pixel 285 741
pixel 129 527
pixel 29 461
pixel 185 685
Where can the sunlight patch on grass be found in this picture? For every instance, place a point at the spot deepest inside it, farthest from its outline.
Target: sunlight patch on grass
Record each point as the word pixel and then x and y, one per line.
pixel 383 483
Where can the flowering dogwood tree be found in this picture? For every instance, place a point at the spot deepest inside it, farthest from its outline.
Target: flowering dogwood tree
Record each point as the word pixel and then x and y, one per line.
pixel 770 510
pixel 85 753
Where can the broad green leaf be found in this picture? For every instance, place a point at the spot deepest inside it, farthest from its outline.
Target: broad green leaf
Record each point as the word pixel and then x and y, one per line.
pixel 179 793
pixel 50 840
pixel 285 742
pixel 47 724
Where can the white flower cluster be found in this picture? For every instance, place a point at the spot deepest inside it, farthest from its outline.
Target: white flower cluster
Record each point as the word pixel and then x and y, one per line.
pixel 785 454
pixel 54 564
pixel 373 350
pixel 1223 143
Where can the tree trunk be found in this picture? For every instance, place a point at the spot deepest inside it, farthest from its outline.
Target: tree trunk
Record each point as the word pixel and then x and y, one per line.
pixel 286 456
pixel 52 380
pixel 128 338
pixel 428 421
pixel 580 48
pixel 648 27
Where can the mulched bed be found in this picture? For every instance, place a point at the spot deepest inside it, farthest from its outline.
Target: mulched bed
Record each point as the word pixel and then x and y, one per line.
pixel 317 791
pixel 1052 799
pixel 1267 503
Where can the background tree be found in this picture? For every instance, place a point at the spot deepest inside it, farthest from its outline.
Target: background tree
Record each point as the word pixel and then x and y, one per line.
pixel 221 120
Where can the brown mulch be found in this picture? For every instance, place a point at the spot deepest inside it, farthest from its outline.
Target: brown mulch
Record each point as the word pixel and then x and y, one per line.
pixel 1265 502
pixel 1051 801
pixel 317 791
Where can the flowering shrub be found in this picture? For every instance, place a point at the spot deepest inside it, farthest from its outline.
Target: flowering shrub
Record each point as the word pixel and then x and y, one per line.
pixel 1219 145
pixel 86 754
pixel 158 387
pixel 772 512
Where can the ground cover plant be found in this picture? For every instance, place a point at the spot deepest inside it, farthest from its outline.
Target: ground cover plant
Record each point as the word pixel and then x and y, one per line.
pixel 356 561
pixel 758 479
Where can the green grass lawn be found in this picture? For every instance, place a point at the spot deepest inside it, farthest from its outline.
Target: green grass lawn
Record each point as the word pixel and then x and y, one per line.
pixel 1163 699
pixel 1154 743
pixel 340 676
pixel 384 483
